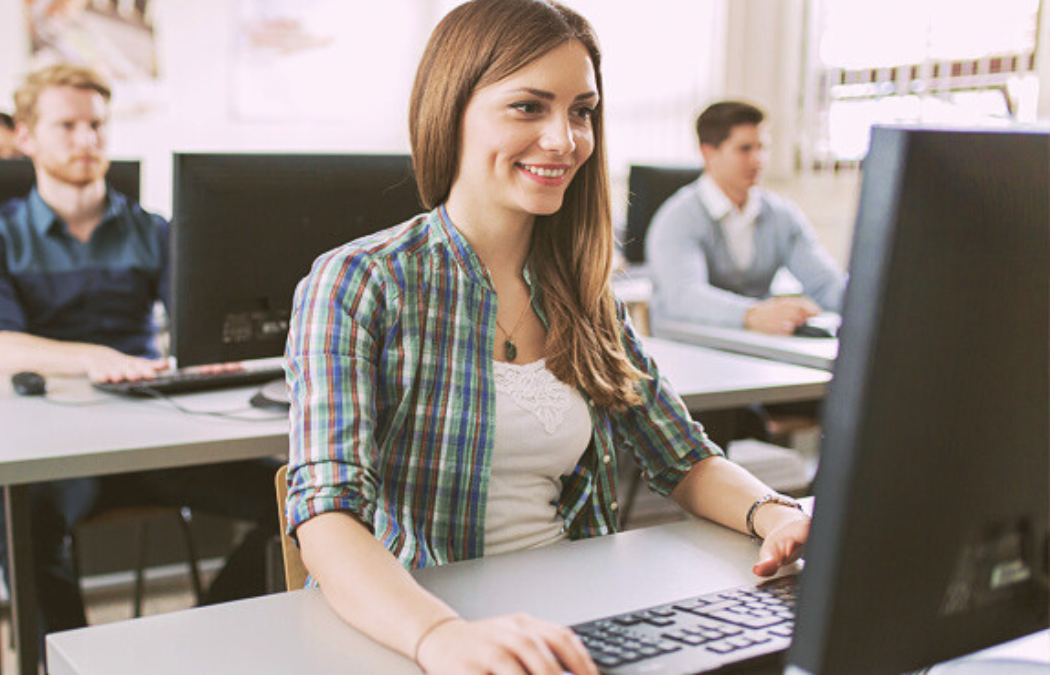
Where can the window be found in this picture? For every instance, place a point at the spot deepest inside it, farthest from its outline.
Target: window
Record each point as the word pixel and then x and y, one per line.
pixel 928 61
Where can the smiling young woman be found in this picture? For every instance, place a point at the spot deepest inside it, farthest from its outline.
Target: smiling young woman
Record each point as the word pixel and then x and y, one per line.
pixel 572 244
pixel 461 383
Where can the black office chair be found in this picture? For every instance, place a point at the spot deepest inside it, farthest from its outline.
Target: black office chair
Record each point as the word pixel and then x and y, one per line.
pixel 140 517
pixel 648 187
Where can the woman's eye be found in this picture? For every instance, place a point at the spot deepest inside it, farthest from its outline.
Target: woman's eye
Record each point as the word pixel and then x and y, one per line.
pixel 527 107
pixel 585 112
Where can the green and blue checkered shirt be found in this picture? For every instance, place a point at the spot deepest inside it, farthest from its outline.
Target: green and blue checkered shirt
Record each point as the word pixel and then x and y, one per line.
pixel 389 367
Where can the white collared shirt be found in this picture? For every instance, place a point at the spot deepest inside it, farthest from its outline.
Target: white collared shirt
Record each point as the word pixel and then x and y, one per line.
pixel 738 225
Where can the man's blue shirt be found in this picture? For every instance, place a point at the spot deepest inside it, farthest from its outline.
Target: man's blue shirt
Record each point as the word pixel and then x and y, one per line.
pixel 101 291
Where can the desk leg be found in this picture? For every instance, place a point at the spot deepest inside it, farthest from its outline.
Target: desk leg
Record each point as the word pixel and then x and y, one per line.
pixel 24 619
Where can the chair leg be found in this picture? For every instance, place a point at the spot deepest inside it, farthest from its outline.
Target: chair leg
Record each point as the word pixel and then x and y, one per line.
pixel 185 524
pixel 140 567
pixel 274 565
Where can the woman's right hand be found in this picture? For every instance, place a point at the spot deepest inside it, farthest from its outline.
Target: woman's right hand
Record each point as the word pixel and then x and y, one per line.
pixel 516 644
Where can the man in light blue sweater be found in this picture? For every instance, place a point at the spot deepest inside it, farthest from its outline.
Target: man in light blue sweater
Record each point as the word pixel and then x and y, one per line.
pixel 716 244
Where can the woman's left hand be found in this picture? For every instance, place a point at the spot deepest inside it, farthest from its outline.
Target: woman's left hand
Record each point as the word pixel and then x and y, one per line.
pixel 782 546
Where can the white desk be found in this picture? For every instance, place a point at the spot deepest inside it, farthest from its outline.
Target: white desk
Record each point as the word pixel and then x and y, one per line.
pixel 810 352
pixel 708 379
pixel 297 632
pixel 44 441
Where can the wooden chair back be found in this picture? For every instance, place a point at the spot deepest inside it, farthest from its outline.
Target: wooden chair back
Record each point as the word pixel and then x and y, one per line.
pixel 295 572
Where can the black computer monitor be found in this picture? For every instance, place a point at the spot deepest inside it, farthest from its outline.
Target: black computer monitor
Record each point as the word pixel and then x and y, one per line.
pixel 930 533
pixel 246 228
pixel 17 178
pixel 648 187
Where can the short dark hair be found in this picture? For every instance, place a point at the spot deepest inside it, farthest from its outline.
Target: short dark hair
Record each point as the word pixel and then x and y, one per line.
pixel 715 124
pixel 7 121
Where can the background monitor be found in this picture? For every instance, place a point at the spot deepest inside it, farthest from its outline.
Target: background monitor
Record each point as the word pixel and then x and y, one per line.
pixel 246 229
pixel 17 178
pixel 648 187
pixel 930 532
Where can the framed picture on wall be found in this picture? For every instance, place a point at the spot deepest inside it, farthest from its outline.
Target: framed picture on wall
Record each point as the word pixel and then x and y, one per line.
pixel 115 37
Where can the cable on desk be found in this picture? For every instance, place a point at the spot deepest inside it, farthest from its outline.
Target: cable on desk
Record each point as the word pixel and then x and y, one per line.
pixel 236 414
pixel 78 404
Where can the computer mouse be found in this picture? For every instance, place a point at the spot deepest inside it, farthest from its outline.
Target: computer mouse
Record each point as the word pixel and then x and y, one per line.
pixel 28 383
pixel 812 331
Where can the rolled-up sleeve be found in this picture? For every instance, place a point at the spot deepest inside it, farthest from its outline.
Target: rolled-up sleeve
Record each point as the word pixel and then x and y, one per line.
pixel 660 432
pixel 806 259
pixel 331 365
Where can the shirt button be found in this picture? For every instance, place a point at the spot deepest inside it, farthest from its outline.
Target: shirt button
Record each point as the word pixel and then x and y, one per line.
pixel 606 459
pixel 614 506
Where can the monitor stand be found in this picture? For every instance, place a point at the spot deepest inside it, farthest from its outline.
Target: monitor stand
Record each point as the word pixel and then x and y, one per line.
pixel 272 396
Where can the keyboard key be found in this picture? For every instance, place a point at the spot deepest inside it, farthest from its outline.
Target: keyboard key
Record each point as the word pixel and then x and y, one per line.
pixel 606 660
pixel 689 639
pixel 748 621
pixel 659 621
pixel 711 608
pixel 691 605
pixel 740 642
pixel 721 648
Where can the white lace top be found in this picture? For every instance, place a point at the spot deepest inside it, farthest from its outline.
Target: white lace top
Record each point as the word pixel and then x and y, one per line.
pixel 542 429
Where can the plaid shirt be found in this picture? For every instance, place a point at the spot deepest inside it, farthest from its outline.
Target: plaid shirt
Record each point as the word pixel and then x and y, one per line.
pixel 389 366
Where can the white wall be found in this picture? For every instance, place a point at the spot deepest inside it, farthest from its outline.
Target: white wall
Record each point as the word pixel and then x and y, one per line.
pixel 1043 62
pixel 765 67
pixel 665 60
pixel 366 95
pixel 663 63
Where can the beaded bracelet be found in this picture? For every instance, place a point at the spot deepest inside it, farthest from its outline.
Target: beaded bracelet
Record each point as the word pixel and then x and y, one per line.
pixel 771 498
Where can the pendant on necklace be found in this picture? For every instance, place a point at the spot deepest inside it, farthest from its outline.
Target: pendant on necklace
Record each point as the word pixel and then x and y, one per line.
pixel 510 352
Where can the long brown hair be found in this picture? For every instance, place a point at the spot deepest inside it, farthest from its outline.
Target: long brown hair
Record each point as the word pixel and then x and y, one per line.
pixel 480 43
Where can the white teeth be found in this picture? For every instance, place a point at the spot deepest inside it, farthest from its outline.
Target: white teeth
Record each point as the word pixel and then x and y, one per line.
pixel 545 173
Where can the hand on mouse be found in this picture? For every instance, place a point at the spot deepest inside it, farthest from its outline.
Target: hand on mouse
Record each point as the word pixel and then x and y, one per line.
pixel 781 315
pixel 784 542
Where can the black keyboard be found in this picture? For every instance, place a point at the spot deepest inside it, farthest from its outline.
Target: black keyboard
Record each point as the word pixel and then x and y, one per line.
pixel 704 633
pixel 186 381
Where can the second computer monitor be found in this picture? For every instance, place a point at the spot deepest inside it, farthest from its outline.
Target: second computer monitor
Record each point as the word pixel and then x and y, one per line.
pixel 246 229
